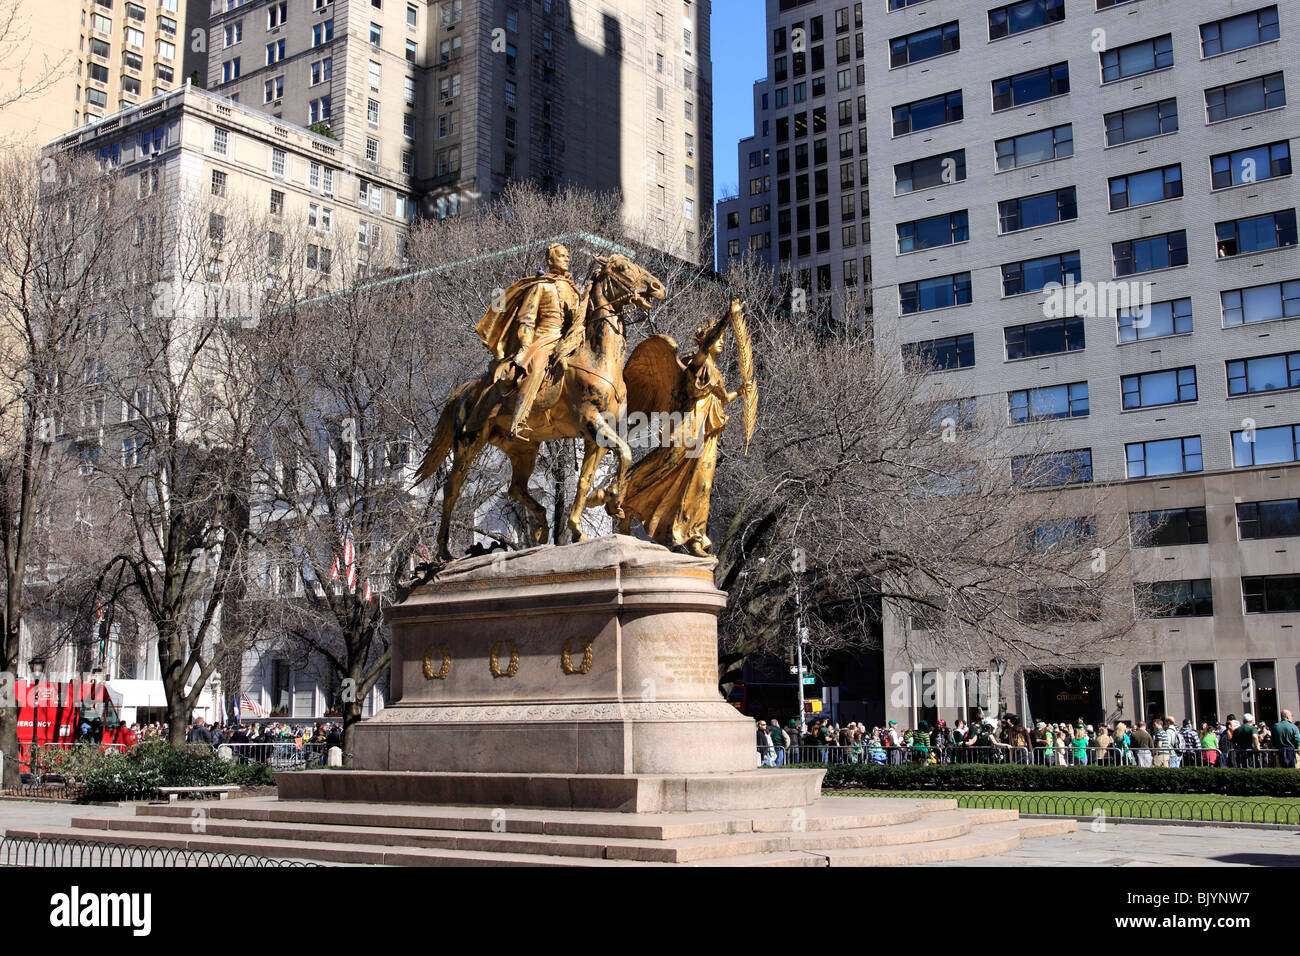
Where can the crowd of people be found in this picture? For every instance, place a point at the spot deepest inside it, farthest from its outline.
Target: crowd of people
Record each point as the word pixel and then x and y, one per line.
pixel 322 733
pixel 1162 742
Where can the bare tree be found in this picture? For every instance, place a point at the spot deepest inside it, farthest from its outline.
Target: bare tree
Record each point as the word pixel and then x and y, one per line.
pixel 180 377
pixel 58 229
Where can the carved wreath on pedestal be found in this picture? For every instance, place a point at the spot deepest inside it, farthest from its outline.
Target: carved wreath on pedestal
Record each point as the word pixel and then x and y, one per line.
pixel 566 662
pixel 512 668
pixel 441 673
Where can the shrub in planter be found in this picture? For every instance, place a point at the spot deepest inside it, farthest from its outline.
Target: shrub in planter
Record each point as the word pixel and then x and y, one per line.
pixel 1262 782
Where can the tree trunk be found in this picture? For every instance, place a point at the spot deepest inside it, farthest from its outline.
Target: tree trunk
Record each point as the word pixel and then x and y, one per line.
pixel 351 717
pixel 178 722
pixel 9 737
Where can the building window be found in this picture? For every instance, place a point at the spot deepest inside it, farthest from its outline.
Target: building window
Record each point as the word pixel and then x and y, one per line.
pixel 1012 91
pixel 1244 98
pixel 220 141
pixel 273 89
pixel 1239 32
pixel 1155 321
pixel 1266 446
pixel 1251 165
pixel 1044 338
pixel 322 70
pixel 925 114
pixel 1192 598
pixel 274 52
pixel 1165 529
pixel 1042 146
pixel 1167 387
pixel 218 183
pixel 1059 205
pixel 1152 185
pixel 1052 401
pixel 1261 303
pixel 1145 56
pixel 1057 468
pixel 938 293
pixel 1032 275
pixel 372 149
pixel 938 170
pixel 1238 237
pixel 1264 373
pixel 1268 519
pixel 376 35
pixel 318 110
pixel 1170 456
pixel 1147 255
pixel 276 14
pixel 234 33
pixel 944 230
pixel 322 32
pixel 922 45
pixel 230 70
pixel 1018 17
pixel 1271 594
pixel 372 111
pixel 277 202
pixel 1142 122
pixel 942 355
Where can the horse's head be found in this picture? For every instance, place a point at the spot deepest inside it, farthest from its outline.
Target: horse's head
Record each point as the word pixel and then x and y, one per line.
pixel 624 283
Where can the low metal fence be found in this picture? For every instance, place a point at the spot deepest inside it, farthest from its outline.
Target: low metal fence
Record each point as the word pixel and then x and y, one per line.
pixel 1038 756
pixel 1099 807
pixel 283 755
pixel 26 851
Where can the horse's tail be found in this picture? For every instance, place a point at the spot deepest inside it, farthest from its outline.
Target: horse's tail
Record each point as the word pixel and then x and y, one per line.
pixel 444 434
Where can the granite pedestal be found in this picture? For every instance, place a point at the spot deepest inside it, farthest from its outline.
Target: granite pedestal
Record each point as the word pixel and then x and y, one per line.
pixel 580 677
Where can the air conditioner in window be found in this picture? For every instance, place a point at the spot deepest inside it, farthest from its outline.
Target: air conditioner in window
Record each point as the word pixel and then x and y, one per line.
pixel 447 102
pixel 690 150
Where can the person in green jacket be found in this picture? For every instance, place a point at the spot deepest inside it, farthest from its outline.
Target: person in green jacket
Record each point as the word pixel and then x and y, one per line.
pixel 1286 737
pixel 779 742
pixel 919 741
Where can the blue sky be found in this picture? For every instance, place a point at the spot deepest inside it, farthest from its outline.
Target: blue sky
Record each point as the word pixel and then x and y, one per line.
pixel 739 58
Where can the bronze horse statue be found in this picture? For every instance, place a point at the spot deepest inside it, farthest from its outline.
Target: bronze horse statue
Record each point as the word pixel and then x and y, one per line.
pixel 583 403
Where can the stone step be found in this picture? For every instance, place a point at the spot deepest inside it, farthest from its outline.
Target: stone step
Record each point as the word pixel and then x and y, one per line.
pixel 682 850
pixel 989 840
pixel 829 814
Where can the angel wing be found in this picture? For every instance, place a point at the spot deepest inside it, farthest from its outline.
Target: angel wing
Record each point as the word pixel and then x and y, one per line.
pixel 652 374
pixel 745 359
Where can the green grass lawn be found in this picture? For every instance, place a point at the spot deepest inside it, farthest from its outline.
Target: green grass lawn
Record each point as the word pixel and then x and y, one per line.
pixel 1160 806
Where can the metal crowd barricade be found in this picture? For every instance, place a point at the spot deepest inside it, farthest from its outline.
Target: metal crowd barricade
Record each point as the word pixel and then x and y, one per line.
pixel 1092 755
pixel 280 754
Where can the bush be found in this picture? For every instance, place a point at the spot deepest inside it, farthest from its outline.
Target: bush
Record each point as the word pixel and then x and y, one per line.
pixel 154 764
pixel 949 777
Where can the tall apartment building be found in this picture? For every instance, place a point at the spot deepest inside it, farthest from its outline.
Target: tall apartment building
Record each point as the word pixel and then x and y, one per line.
pixel 451 100
pixel 1095 142
pixel 803 203
pixel 88 59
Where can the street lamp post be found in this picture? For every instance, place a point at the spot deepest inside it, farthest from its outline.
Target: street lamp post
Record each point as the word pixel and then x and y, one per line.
pixel 37 666
pixel 999 667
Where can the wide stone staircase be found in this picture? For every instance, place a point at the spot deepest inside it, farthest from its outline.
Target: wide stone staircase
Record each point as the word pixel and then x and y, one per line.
pixel 834 831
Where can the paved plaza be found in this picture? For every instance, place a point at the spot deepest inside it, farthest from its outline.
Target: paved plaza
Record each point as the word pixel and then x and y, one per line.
pixel 1118 844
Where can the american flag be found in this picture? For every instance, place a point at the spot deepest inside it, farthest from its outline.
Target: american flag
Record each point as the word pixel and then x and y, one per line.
pixel 350 562
pixel 257 710
pixel 370 591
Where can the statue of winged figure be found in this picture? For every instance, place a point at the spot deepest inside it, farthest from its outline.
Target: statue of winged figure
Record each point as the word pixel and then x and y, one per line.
pixel 668 490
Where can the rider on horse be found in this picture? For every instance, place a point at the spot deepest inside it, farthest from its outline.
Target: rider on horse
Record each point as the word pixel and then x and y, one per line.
pixel 535 315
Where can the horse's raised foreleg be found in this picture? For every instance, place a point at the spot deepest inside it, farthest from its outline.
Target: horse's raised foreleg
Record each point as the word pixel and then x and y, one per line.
pixel 523 459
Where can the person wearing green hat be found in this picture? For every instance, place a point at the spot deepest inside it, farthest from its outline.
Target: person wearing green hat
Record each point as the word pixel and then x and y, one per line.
pixel 894 743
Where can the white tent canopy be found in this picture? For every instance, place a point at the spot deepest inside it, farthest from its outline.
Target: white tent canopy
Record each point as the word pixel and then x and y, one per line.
pixel 128 696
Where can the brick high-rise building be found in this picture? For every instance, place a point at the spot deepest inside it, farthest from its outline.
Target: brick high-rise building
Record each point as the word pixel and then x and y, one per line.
pixel 86 59
pixel 451 100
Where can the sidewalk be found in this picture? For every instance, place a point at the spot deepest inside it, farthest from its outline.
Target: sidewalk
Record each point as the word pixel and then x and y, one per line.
pixel 1151 845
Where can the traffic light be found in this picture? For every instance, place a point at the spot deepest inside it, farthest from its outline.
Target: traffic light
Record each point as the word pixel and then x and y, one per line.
pixel 812 706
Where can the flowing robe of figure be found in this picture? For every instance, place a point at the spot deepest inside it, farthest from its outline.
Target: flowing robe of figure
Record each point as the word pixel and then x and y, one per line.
pixel 669 489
